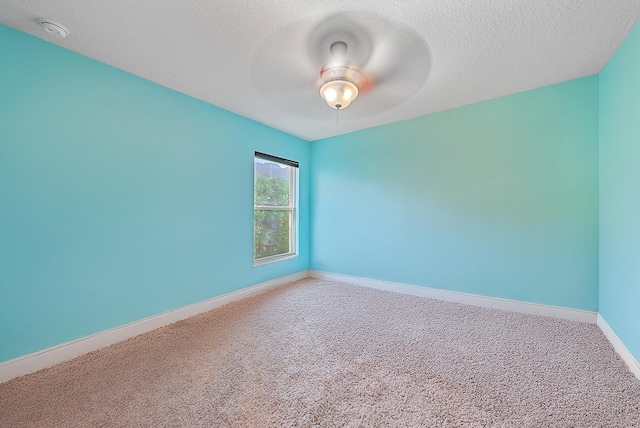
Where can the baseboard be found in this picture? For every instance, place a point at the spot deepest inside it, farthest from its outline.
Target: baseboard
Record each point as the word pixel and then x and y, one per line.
pixel 66 351
pixel 622 350
pixel 496 303
pixel 468 299
pixel 493 302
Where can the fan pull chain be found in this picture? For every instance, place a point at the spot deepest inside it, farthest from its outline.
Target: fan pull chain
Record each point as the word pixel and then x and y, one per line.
pixel 337 114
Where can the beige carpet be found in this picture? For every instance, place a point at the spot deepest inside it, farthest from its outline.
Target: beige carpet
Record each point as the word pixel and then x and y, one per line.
pixel 324 354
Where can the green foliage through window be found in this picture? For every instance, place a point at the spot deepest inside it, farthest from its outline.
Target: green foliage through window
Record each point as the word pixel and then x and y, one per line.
pixel 271 233
pixel 271 191
pixel 273 209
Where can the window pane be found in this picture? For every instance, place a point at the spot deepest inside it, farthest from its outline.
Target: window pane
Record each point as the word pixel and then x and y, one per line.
pixel 272 184
pixel 271 232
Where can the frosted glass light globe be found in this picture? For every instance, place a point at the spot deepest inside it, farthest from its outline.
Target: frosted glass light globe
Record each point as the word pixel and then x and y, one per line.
pixel 338 94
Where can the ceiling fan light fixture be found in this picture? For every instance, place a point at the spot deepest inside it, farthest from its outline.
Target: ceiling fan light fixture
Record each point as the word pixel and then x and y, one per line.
pixel 341 86
pixel 338 94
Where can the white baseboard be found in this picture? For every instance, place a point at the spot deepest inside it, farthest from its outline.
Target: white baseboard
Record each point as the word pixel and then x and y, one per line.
pixel 468 299
pixel 622 350
pixel 496 303
pixel 66 351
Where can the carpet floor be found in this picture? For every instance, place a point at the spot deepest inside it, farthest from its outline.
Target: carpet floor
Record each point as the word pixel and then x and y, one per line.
pixel 324 354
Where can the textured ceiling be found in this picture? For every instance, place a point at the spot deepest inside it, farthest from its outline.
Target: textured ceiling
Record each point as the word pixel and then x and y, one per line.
pixel 420 56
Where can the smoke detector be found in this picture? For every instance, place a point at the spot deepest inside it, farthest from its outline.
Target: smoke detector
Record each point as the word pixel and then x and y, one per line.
pixel 53 28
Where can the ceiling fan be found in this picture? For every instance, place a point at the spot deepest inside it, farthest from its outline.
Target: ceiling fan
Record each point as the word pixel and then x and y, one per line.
pixel 337 59
pixel 341 82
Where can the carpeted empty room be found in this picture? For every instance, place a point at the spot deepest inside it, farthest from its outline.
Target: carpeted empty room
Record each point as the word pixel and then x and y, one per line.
pixel 239 213
pixel 327 354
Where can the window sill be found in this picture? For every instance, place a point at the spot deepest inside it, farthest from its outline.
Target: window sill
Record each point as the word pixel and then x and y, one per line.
pixel 273 259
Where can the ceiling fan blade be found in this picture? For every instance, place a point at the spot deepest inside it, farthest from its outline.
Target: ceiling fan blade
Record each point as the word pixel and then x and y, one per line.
pixel 282 71
pixel 287 66
pixel 345 27
pixel 396 71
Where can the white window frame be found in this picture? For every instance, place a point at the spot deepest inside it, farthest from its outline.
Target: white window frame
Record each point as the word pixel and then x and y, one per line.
pixel 292 208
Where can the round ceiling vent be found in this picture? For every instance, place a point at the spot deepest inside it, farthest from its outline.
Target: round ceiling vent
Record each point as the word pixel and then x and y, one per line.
pixel 53 28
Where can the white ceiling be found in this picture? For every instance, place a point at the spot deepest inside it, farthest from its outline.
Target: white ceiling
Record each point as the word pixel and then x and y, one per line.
pixel 431 55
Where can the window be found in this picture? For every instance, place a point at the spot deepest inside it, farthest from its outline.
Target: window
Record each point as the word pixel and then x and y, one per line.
pixel 275 217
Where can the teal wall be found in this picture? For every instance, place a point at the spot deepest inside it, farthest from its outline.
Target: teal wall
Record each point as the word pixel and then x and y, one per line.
pixel 620 192
pixel 119 199
pixel 498 198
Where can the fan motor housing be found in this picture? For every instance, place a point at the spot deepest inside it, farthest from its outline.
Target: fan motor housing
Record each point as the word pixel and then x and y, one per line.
pixel 344 73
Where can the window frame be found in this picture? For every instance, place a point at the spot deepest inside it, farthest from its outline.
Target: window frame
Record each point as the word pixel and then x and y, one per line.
pixel 291 208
